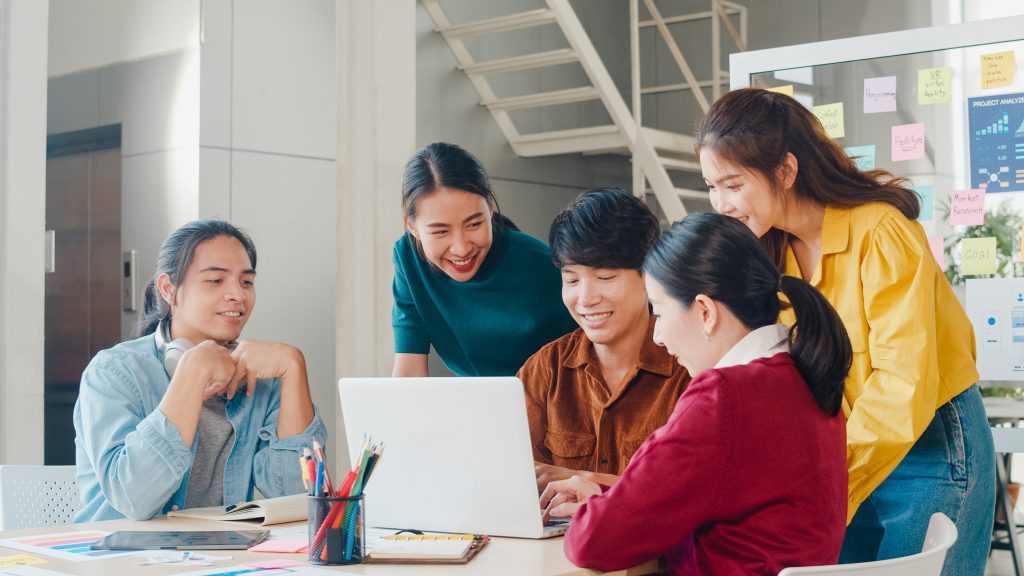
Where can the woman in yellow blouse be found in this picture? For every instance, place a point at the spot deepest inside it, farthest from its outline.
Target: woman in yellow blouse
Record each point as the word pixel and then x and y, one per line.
pixel 918 441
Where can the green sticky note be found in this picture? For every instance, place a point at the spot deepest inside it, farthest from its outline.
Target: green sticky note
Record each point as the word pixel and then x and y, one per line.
pixel 864 156
pixel 831 118
pixel 978 256
pixel 927 196
pixel 934 85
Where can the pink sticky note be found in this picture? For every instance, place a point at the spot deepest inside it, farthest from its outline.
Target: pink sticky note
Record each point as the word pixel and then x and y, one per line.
pixel 935 243
pixel 967 208
pixel 274 564
pixel 280 546
pixel 880 94
pixel 907 142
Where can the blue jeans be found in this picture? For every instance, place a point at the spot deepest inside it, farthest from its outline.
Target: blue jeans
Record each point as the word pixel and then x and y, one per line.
pixel 951 469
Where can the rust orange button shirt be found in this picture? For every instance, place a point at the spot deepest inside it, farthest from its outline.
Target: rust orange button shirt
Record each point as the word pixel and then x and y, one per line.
pixel 577 422
pixel 913 346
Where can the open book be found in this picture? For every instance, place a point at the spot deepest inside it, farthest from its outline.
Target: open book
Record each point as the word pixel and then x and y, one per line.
pixel 268 511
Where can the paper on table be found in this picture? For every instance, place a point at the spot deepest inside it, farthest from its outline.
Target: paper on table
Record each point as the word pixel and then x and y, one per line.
pixel 275 563
pixel 73 546
pixel 19 560
pixel 281 546
pixel 29 571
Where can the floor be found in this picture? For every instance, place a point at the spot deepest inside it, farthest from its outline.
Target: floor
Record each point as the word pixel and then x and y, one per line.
pixel 1000 563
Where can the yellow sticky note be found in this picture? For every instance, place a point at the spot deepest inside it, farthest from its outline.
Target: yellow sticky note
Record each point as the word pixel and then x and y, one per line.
pixel 934 85
pixel 19 560
pixel 978 256
pixel 831 118
pixel 787 90
pixel 997 69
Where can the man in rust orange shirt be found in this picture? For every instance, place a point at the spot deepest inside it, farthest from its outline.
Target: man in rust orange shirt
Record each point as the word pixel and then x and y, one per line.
pixel 594 395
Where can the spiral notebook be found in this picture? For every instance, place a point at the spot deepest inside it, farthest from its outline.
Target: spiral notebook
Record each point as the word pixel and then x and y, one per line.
pixel 383 547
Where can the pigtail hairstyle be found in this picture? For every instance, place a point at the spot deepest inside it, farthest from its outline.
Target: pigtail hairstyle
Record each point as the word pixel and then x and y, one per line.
pixel 719 257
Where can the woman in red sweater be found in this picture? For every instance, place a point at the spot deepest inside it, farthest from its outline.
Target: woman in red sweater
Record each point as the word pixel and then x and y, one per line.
pixel 748 476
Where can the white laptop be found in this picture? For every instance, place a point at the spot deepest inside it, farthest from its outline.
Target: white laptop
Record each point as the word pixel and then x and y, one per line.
pixel 457 454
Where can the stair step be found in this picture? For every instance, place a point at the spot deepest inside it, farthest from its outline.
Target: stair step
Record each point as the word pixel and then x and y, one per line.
pixel 544 99
pixel 694 194
pixel 670 141
pixel 538 60
pixel 679 164
pixel 575 140
pixel 502 23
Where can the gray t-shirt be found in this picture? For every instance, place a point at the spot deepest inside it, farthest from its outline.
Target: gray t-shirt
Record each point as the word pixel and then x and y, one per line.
pixel 215 436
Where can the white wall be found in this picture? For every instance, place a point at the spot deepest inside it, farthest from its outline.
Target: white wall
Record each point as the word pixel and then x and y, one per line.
pixel 22 211
pixel 156 101
pixel 97 33
pixel 267 149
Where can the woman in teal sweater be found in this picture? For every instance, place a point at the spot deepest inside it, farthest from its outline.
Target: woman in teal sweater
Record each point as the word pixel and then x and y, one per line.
pixel 467 281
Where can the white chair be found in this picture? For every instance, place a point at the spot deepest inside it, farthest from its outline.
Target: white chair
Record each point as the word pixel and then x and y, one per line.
pixel 34 496
pixel 940 537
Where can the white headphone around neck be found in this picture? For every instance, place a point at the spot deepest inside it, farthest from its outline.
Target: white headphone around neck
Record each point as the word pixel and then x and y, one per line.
pixel 172 349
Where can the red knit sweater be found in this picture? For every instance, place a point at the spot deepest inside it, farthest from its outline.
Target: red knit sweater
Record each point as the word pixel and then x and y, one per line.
pixel 748 476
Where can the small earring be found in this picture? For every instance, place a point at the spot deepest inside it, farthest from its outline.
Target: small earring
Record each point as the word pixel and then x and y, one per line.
pixel 707 336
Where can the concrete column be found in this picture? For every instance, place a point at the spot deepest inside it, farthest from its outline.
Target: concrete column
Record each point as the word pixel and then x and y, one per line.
pixel 376 59
pixel 23 51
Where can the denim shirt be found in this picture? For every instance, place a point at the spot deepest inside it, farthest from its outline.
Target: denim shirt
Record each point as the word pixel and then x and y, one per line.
pixel 132 461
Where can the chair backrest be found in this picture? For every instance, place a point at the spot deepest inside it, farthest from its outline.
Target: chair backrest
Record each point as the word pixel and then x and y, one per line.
pixel 940 537
pixel 34 496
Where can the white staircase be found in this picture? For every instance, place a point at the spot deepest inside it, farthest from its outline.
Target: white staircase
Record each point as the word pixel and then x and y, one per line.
pixel 654 152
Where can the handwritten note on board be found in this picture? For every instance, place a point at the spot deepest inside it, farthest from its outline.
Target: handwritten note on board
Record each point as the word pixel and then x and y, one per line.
pixel 934 85
pixel 978 256
pixel 907 142
pixel 997 69
pixel 831 118
pixel 967 208
pixel 927 196
pixel 864 156
pixel 787 90
pixel 935 243
pixel 880 94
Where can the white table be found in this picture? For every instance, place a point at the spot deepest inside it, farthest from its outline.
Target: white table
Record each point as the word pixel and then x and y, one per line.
pixel 502 557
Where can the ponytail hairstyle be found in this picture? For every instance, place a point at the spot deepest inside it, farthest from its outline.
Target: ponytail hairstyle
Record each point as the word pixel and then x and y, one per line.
pixel 719 257
pixel 174 260
pixel 757 128
pixel 444 165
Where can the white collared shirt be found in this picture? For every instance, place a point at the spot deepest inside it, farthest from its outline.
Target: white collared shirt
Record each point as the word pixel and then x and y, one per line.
pixel 765 342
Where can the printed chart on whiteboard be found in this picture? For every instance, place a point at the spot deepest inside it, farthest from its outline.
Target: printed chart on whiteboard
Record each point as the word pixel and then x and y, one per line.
pixel 996 125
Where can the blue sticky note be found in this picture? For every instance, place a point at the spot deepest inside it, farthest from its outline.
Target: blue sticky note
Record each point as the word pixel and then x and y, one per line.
pixel 927 196
pixel 866 153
